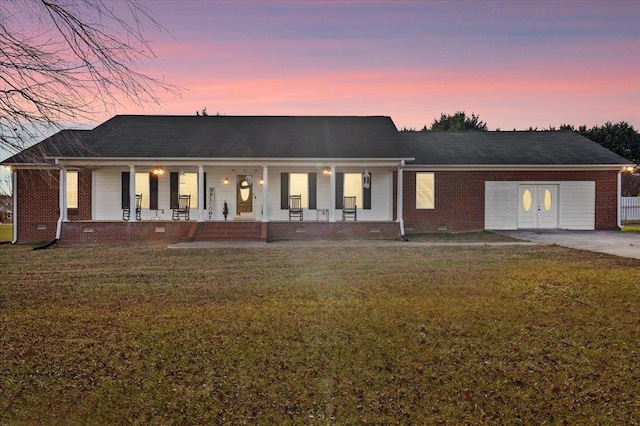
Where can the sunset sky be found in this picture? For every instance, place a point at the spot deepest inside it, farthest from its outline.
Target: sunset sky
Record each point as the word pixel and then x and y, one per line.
pixel 516 64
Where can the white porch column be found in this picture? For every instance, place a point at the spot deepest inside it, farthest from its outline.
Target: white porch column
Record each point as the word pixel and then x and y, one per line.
pixel 265 192
pixel 332 201
pixel 132 193
pixel 14 185
pixel 202 194
pixel 62 187
pixel 400 199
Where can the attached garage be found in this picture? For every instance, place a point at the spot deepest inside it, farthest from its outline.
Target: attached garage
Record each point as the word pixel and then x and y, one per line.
pixel 511 180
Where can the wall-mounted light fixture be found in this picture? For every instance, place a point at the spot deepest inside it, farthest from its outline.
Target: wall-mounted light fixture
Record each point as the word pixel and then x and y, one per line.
pixel 326 171
pixel 225 181
pixel 629 169
pixel 7 168
pixel 157 171
pixel 261 181
pixel 366 179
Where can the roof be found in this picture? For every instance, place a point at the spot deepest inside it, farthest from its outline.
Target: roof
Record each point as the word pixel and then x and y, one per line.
pixel 507 148
pixel 225 137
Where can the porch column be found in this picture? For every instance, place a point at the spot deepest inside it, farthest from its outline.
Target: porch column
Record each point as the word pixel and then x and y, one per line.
pixel 132 193
pixel 400 199
pixel 332 201
pixel 265 192
pixel 202 195
pixel 62 187
pixel 14 184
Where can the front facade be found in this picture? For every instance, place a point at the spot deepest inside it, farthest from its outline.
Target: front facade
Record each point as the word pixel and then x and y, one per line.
pixel 124 180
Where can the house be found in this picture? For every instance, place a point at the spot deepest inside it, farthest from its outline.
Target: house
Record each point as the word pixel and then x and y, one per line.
pixel 125 180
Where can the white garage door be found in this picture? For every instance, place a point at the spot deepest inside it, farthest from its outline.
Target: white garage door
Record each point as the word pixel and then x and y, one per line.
pixel 540 205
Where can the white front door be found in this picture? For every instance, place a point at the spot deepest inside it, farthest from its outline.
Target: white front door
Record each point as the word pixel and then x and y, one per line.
pixel 538 206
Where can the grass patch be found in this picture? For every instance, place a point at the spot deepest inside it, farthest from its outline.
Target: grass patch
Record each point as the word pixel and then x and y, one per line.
pixel 6 232
pixel 631 227
pixel 323 336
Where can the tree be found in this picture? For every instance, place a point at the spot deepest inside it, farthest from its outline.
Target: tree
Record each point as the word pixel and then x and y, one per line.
pixel 457 121
pixel 65 61
pixel 620 138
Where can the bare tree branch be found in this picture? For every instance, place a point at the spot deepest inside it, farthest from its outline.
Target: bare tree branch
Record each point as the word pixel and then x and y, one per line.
pixel 64 61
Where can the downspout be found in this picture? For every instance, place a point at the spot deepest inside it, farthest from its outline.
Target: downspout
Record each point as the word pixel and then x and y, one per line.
pixel 15 206
pixel 619 200
pixel 62 184
pixel 400 202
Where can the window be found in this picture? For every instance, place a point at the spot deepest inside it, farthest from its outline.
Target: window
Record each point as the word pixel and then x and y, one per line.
pixel 72 189
pixel 142 187
pixel 353 187
pixel 299 185
pixel 189 186
pixel 425 191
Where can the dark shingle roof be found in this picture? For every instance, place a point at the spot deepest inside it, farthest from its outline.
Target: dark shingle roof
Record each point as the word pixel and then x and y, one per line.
pixel 136 136
pixel 506 148
pixel 41 153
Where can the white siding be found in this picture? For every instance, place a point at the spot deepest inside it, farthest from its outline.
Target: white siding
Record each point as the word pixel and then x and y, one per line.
pixel 501 205
pixel 108 193
pixel 577 205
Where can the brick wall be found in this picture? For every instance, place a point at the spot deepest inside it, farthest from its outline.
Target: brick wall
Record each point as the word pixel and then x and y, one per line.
pixel 332 230
pixel 38 205
pixel 459 198
pixel 104 233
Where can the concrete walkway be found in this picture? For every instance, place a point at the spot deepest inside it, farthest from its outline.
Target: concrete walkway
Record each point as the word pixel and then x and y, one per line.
pixel 346 243
pixel 624 244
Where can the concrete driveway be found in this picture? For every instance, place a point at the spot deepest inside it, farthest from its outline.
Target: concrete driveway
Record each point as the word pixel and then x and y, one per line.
pixel 625 244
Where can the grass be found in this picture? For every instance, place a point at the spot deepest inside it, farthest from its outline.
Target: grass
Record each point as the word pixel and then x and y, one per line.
pixel 6 232
pixel 462 237
pixel 631 228
pixel 414 335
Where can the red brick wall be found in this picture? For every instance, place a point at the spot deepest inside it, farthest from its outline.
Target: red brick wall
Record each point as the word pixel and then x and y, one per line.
pixel 459 197
pixel 101 233
pixel 38 205
pixel 332 230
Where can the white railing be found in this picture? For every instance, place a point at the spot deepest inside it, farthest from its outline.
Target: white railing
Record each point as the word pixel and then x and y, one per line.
pixel 630 208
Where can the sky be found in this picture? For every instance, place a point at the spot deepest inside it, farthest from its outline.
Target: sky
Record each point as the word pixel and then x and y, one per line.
pixel 515 64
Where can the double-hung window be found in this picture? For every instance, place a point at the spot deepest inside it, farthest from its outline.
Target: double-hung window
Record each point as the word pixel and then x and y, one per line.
pixel 72 189
pixel 425 191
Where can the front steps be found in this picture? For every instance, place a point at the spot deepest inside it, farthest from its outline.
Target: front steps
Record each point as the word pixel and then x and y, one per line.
pixel 227 231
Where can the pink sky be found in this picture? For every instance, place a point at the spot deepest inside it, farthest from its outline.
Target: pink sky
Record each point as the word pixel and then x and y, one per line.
pixel 516 64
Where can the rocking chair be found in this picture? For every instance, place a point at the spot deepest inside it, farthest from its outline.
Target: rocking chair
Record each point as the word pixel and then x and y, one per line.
pixel 184 204
pixel 295 207
pixel 126 211
pixel 349 208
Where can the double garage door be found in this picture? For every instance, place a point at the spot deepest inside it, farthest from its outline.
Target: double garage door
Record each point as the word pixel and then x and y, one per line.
pixel 540 205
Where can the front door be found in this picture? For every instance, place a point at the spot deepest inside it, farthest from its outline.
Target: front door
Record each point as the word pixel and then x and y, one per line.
pixel 244 195
pixel 538 206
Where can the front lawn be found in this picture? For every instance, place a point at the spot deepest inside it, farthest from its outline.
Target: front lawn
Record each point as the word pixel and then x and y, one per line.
pixel 409 335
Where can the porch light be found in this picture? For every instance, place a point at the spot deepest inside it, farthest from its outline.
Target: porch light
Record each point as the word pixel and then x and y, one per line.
pixel 7 168
pixel 326 171
pixel 226 181
pixel 629 169
pixel 157 171
pixel 261 181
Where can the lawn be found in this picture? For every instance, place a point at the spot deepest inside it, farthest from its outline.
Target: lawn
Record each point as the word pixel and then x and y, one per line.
pixel 6 232
pixel 407 335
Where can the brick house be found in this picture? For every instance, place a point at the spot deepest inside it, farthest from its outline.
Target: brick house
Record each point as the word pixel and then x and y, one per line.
pixel 80 186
